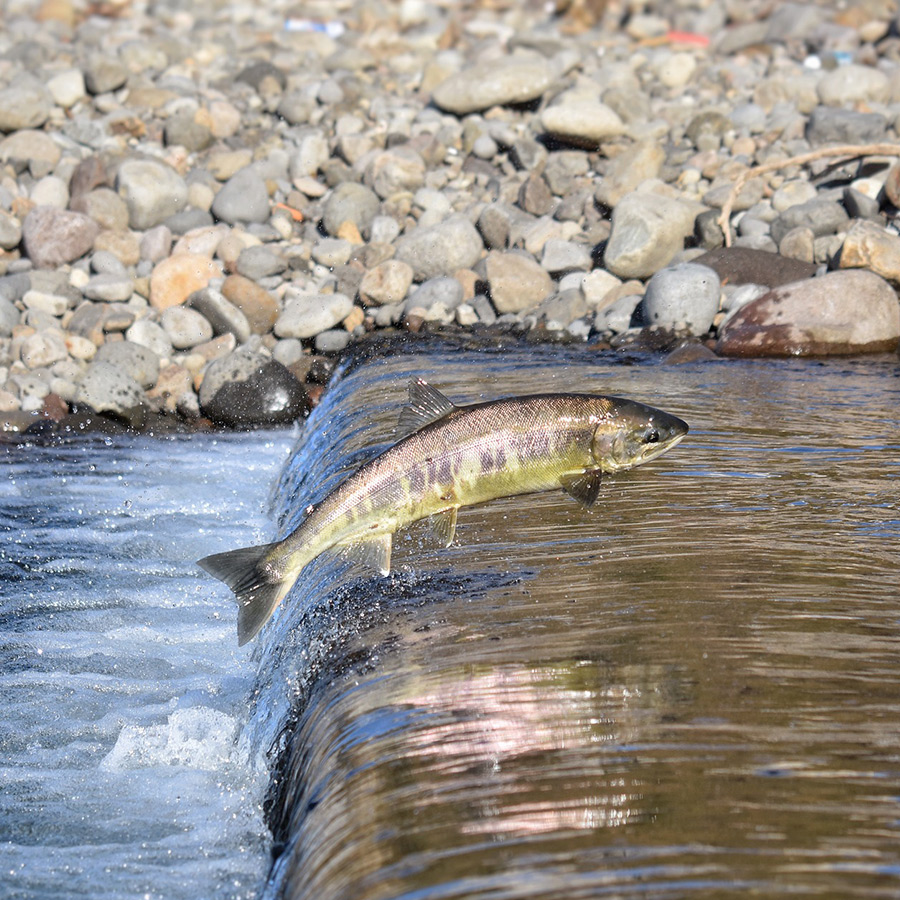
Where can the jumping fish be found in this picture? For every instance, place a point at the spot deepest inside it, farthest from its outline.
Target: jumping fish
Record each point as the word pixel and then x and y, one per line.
pixel 451 456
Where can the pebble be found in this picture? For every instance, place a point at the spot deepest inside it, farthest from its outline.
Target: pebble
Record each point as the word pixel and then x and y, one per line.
pixel 175 278
pixel 259 262
pixel 306 315
pixel 388 282
pixel 515 281
pixel 350 202
pixel 682 298
pixel 53 237
pixel 256 303
pixel 437 296
pixel 584 122
pixel 109 287
pixel 243 198
pixel 441 249
pixel 223 316
pixel 152 191
pixel 139 362
pixel 869 246
pixel 493 83
pixel 105 387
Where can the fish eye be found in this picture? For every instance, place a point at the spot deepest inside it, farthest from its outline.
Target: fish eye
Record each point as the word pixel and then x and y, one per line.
pixel 651 437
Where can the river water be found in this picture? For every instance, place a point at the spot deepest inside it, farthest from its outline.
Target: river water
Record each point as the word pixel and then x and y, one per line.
pixel 691 690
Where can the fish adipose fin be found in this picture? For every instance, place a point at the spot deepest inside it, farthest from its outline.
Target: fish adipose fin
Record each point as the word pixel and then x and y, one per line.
pixel 256 589
pixel 426 405
pixel 443 526
pixel 374 553
pixel 584 488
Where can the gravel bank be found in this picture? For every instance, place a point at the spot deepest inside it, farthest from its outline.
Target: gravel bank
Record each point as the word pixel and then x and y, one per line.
pixel 200 210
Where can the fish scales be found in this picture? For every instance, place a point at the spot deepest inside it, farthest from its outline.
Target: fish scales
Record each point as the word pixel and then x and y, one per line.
pixel 455 456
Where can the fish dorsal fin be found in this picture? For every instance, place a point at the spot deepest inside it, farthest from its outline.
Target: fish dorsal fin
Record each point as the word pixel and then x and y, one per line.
pixel 374 553
pixel 443 525
pixel 426 405
pixel 585 488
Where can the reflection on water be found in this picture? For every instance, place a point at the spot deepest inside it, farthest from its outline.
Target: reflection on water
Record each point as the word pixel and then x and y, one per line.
pixel 692 690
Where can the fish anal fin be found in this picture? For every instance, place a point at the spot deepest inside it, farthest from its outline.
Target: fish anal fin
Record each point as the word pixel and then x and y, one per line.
pixel 443 525
pixel 374 552
pixel 426 405
pixel 584 487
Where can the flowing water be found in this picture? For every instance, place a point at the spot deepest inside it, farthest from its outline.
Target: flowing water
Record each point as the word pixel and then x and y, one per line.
pixel 691 690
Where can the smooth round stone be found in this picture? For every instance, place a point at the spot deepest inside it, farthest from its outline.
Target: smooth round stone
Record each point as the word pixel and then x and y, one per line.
pixel 106 388
pixel 152 191
pixel 51 304
pixel 494 83
pixel 9 317
pixel 246 390
pixel 311 154
pixel 851 84
pixel 243 198
pixel 332 341
pixel 596 285
pixel 820 215
pixel 828 125
pixel 35 147
pixel 306 315
pixel 53 237
pixel 156 243
pixel 124 245
pixel 104 73
pixel 259 262
pixel 441 249
pixel 104 262
pixel 139 362
pixel 185 327
pixel 560 256
pixel 350 202
pixel 676 70
pixel 485 147
pixel 792 193
pixel 288 352
pixel 584 122
pixel 67 88
pixel 24 106
pixel 151 335
pixel 683 297
pixel 109 287
pixel 868 245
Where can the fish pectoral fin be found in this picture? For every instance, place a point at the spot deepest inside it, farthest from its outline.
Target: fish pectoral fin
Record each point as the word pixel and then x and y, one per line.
pixel 426 405
pixel 585 487
pixel 443 525
pixel 373 552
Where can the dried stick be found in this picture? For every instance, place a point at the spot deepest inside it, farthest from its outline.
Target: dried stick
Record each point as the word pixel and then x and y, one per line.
pixel 852 151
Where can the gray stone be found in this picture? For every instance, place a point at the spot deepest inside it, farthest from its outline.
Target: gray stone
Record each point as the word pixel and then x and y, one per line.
pixel 820 216
pixel 442 249
pixel 493 83
pixel 185 327
pixel 53 237
pixel 561 256
pixel 628 170
pixel 104 73
pixel 850 84
pixel 108 389
pixel 109 287
pixel 583 122
pixel 105 263
pixel 332 341
pixel 306 315
pixel 859 206
pixel 243 198
pixel 564 169
pixel 288 351
pixel 494 225
pixel 259 262
pixel 350 202
pixel 152 191
pixel 9 317
pixel 332 252
pixel 515 281
pixel 386 283
pixel 184 130
pixel 224 316
pixel 24 106
pixel 444 291
pixel 395 171
pixel 51 304
pixel 189 219
pixel 616 317
pixel 798 243
pixel 156 243
pixel 828 125
pixel 560 310
pixel 682 297
pixel 647 231
pixel 44 348
pixel 151 335
pixel 138 362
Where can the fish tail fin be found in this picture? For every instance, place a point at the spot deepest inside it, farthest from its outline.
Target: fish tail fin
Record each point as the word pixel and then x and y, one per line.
pixel 257 588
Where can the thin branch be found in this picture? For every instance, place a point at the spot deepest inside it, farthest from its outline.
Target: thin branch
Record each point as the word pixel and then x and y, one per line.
pixel 851 151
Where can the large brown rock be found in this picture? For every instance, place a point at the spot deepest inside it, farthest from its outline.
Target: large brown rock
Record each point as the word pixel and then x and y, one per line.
pixel 851 311
pixel 869 246
pixel 744 265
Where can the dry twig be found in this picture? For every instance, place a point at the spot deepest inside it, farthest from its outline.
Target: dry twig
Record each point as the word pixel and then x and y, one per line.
pixel 851 151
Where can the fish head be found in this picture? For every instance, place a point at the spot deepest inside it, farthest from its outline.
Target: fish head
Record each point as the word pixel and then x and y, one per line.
pixel 631 433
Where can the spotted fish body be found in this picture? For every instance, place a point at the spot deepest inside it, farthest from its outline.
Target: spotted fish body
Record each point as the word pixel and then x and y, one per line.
pixel 454 456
